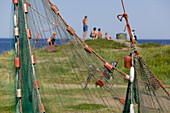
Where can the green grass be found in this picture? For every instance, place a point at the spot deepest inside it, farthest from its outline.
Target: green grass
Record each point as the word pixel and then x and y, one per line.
pixel 158 59
pixel 105 44
pixel 149 45
pixel 156 56
pixel 85 106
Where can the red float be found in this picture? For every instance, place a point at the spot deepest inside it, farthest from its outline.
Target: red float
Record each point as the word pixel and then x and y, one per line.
pixel 15 1
pixel 128 61
pixel 17 62
pixel 100 83
pixel 38 36
pixel 122 100
pixel 38 84
pixel 89 49
pixel 35 84
pixel 33 59
pixel 29 33
pixel 55 9
pixel 108 65
pixel 42 108
pixel 71 30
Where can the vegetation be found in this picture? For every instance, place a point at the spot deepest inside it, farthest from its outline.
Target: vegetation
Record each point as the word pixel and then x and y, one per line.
pixel 87 106
pixel 156 56
pixel 105 44
pixel 149 45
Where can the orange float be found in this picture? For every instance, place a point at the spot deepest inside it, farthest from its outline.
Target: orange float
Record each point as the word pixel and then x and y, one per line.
pixel 128 61
pixel 100 83
pixel 17 62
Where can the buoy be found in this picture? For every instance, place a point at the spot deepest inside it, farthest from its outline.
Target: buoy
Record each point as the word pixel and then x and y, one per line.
pixel 89 49
pixel 19 93
pixel 108 65
pixel 100 83
pixel 15 20
pixel 33 59
pixel 55 9
pixel 122 100
pixel 29 33
pixel 127 61
pixel 43 109
pixel 16 31
pixel 38 84
pixel 17 62
pixel 25 8
pixel 132 74
pixel 38 36
pixel 131 108
pixel 15 1
pixel 34 84
pixel 127 77
pixel 71 30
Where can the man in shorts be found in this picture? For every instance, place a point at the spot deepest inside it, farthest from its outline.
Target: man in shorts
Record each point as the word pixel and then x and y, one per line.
pixel 85 28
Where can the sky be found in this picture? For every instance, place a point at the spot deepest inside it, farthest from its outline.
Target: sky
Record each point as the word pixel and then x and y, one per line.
pixel 149 18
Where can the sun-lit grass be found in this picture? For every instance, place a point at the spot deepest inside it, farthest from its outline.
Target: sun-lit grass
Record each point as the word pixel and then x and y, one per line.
pixel 156 56
pixel 105 44
pixel 149 45
pixel 87 106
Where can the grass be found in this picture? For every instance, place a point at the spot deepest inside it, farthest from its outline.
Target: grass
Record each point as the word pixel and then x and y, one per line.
pixel 64 65
pixel 85 106
pixel 149 45
pixel 105 44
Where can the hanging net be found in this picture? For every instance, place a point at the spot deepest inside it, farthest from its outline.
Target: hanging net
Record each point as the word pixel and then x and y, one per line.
pixel 55 71
pixel 65 76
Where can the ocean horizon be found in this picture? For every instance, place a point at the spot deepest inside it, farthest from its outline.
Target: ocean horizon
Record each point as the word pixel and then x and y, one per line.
pixel 7 44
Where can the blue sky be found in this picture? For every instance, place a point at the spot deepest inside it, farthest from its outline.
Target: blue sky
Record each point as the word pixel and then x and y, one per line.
pixel 150 18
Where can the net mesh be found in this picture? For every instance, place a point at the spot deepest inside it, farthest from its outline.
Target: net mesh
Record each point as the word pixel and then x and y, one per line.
pixel 69 78
pixel 146 93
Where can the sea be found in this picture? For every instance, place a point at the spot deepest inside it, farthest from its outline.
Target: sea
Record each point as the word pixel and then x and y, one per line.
pixel 7 44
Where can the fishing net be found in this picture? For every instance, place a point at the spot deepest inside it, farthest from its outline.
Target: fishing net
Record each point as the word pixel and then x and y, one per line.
pixel 146 93
pixel 69 76
pixel 153 95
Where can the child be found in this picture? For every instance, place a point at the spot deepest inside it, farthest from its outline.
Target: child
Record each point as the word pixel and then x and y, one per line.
pixel 51 40
pixel 107 36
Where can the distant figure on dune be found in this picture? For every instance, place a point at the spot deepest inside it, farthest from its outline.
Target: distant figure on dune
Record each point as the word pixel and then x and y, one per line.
pixel 51 40
pixel 85 28
pixel 134 35
pixel 107 36
pixel 99 34
pixel 93 33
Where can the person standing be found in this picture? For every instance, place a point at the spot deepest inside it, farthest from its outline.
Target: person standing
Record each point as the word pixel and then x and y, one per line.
pixel 99 34
pixel 93 33
pixel 134 35
pixel 85 28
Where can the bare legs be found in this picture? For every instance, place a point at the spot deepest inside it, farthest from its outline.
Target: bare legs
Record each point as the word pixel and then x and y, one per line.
pixel 84 35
